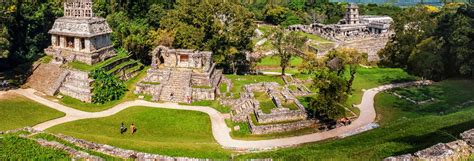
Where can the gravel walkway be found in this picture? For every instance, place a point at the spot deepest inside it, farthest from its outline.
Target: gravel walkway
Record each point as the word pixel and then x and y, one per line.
pixel 219 128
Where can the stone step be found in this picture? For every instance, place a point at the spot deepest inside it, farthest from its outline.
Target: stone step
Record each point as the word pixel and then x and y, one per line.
pixel 44 78
pixel 83 96
pixel 74 87
pixel 79 82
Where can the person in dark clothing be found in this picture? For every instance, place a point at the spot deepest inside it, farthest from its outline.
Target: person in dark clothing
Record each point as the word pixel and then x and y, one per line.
pixel 122 128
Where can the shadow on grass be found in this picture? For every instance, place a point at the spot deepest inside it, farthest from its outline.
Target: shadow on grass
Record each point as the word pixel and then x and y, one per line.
pixel 443 135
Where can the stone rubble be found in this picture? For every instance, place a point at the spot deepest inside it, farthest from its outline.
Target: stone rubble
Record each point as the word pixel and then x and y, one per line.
pixel 119 152
pixel 455 150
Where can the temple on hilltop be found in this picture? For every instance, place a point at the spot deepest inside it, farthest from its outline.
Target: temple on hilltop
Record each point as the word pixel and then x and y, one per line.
pixel 79 35
pixel 353 26
pixel 181 75
pixel 365 33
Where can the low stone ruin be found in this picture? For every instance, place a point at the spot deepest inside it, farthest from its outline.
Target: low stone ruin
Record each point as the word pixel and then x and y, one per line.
pixel 280 119
pixel 181 75
pixel 455 150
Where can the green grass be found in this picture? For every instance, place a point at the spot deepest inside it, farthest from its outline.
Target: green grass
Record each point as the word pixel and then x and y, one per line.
pixel 313 37
pixel 214 104
pixel 367 78
pixel 91 107
pixel 161 131
pixel 266 103
pixel 274 61
pixel 405 128
pixel 17 148
pixel 17 111
pixel 420 94
pixel 239 81
pixel 265 28
pixel 46 59
pixel 80 66
pixel 50 137
pixel 85 67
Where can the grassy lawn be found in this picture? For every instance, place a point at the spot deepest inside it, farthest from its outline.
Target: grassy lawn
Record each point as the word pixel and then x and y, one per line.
pixel 367 78
pixel 13 147
pixel 274 61
pixel 161 131
pixel 90 107
pixel 405 128
pixel 214 104
pixel 266 103
pixel 313 37
pixel 239 81
pixel 17 111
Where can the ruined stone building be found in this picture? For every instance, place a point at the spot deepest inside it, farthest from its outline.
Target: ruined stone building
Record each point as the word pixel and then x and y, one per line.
pixel 79 35
pixel 181 75
pixel 366 33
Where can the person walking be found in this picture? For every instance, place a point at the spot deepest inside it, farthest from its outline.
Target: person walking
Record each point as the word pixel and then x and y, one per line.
pixel 122 128
pixel 132 129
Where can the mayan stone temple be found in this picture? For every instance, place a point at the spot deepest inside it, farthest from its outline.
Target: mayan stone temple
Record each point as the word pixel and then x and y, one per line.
pixel 366 33
pixel 181 75
pixel 79 35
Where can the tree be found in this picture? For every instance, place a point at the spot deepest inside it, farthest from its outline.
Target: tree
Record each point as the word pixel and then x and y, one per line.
pixel 287 45
pixel 130 34
pixel 106 87
pixel 351 58
pixel 426 60
pixel 276 14
pixel 411 27
pixel 225 29
pixel 331 96
pixel 4 43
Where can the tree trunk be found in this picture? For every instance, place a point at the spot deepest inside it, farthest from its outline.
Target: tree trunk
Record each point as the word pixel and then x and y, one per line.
pixel 234 69
pixel 283 68
pixel 351 80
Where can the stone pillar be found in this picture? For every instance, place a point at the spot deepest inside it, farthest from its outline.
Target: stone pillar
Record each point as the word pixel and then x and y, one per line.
pixel 87 44
pixel 77 44
pixel 54 40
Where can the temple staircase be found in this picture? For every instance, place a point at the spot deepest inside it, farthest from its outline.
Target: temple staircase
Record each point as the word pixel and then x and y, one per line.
pixel 178 87
pixel 78 85
pixel 47 78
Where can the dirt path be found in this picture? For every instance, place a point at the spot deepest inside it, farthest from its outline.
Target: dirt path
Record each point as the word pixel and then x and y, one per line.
pixel 220 130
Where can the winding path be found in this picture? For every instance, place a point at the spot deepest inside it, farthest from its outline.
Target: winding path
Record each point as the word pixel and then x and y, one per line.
pixel 219 128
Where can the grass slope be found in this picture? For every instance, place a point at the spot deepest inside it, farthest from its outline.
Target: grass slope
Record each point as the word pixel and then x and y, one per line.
pixel 405 128
pixel 161 131
pixel 17 111
pixel 17 148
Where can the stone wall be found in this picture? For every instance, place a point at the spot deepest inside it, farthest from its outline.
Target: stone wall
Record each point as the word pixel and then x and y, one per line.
pixel 148 89
pixel 78 85
pixel 276 128
pixel 455 150
pixel 279 116
pixel 204 94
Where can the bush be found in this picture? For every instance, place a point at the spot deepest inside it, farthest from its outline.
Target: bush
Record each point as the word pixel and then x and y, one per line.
pixel 106 87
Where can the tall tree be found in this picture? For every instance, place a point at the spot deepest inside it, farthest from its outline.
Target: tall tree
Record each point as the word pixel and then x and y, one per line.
pixel 350 58
pixel 329 103
pixel 287 45
pixel 223 28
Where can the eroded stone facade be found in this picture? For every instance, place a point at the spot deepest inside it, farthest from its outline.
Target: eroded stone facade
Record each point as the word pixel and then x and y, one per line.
pixel 181 75
pixel 79 36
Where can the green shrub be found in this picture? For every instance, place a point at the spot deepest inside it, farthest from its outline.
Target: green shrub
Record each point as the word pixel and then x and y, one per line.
pixel 106 87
